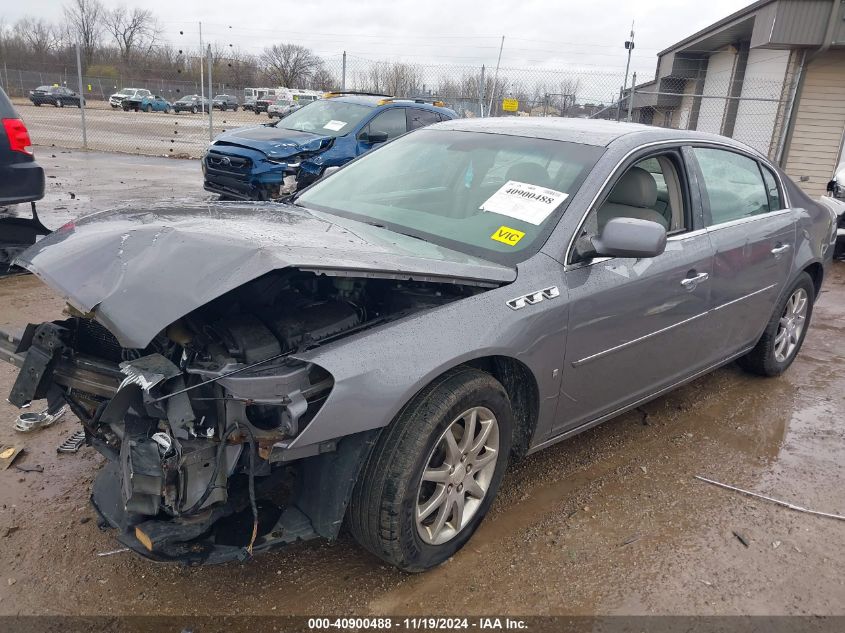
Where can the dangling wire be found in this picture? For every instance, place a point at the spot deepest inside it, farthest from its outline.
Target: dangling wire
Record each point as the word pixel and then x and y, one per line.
pixel 253 449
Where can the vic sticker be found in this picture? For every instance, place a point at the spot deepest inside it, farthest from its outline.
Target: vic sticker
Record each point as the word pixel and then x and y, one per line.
pixel 507 235
pixel 524 201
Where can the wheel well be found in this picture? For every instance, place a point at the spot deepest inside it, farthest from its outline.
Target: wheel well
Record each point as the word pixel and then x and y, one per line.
pixel 816 273
pixel 521 385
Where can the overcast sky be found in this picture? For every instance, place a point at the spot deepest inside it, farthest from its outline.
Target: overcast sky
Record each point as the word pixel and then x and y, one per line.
pixel 553 34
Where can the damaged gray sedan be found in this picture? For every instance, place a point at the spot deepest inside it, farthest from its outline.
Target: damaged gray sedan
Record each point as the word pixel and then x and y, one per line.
pixel 375 351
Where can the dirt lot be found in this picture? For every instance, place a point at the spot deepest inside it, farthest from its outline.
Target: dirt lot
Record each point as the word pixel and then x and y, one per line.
pixel 611 522
pixel 153 134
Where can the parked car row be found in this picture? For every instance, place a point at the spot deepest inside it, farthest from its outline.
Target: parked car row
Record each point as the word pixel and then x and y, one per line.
pixel 188 103
pixel 135 99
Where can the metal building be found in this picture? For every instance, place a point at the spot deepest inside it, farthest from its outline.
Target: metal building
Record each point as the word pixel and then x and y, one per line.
pixel 771 75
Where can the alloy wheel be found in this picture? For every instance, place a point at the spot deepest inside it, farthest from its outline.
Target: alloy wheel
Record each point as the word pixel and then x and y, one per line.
pixel 457 475
pixel 791 325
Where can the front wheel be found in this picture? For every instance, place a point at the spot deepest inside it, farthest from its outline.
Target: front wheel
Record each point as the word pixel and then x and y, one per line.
pixel 60 103
pixel 194 110
pixel 785 331
pixel 148 108
pixel 434 472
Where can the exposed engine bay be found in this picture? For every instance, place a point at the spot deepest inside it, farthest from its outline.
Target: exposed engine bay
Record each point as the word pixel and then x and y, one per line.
pixel 197 425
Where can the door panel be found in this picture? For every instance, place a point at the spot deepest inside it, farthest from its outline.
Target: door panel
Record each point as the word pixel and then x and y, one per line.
pixel 752 261
pixel 635 326
pixel 753 242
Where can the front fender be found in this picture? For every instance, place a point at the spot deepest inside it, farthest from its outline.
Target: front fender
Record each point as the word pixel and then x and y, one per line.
pixel 377 372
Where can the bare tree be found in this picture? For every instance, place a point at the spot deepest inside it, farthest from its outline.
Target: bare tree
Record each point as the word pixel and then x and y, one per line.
pixel 394 78
pixel 324 79
pixel 85 18
pixel 290 65
pixel 37 35
pixel 133 30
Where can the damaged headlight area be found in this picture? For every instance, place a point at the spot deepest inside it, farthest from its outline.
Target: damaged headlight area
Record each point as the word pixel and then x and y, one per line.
pixel 197 426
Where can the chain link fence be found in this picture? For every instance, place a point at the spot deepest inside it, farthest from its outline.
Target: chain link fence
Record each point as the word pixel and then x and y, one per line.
pixel 750 108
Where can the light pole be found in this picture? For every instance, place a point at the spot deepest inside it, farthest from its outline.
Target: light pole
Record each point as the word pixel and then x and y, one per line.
pixel 629 46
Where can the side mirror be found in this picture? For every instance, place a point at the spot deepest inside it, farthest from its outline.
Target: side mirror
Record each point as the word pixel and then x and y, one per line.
pixel 630 237
pixel 373 136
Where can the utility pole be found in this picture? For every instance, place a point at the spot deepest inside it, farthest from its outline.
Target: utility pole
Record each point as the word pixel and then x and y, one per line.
pixel 481 88
pixel 81 98
pixel 495 77
pixel 202 85
pixel 629 46
pixel 631 97
pixel 210 108
pixel 343 74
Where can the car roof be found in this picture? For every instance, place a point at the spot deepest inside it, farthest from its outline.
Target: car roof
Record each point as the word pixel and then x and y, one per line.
pixel 598 132
pixel 378 101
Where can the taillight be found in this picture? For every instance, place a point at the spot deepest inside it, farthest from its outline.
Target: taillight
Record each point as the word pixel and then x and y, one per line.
pixel 18 136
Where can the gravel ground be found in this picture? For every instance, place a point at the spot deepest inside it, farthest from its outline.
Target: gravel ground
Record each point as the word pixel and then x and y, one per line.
pixel 183 135
pixel 610 522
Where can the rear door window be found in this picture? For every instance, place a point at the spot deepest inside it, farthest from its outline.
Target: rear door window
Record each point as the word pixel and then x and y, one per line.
pixel 392 122
pixel 421 118
pixel 733 185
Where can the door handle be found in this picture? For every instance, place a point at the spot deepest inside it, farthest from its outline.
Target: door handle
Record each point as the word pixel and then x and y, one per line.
pixel 690 283
pixel 780 250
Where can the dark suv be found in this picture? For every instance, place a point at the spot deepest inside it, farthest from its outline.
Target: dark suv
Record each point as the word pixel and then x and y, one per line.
pixel 225 102
pixel 21 180
pixel 191 103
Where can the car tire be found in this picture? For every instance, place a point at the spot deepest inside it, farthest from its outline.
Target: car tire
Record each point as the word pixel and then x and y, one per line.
pixel 234 108
pixel 148 108
pixel 194 110
pixel 60 103
pixel 785 331
pixel 390 493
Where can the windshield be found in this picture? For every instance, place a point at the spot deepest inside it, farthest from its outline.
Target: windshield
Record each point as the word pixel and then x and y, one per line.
pixel 328 118
pixel 489 195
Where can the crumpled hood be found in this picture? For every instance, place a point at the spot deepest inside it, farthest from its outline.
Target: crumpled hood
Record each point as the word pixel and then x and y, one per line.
pixel 140 270
pixel 275 142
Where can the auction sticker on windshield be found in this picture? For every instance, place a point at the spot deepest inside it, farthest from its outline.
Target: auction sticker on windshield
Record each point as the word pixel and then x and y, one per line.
pixel 507 235
pixel 523 201
pixel 334 126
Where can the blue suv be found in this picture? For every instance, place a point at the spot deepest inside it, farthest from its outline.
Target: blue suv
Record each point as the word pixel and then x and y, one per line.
pixel 269 161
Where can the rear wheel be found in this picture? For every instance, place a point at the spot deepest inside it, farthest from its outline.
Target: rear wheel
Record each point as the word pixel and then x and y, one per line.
pixel 194 110
pixel 434 472
pixel 785 331
pixel 60 103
